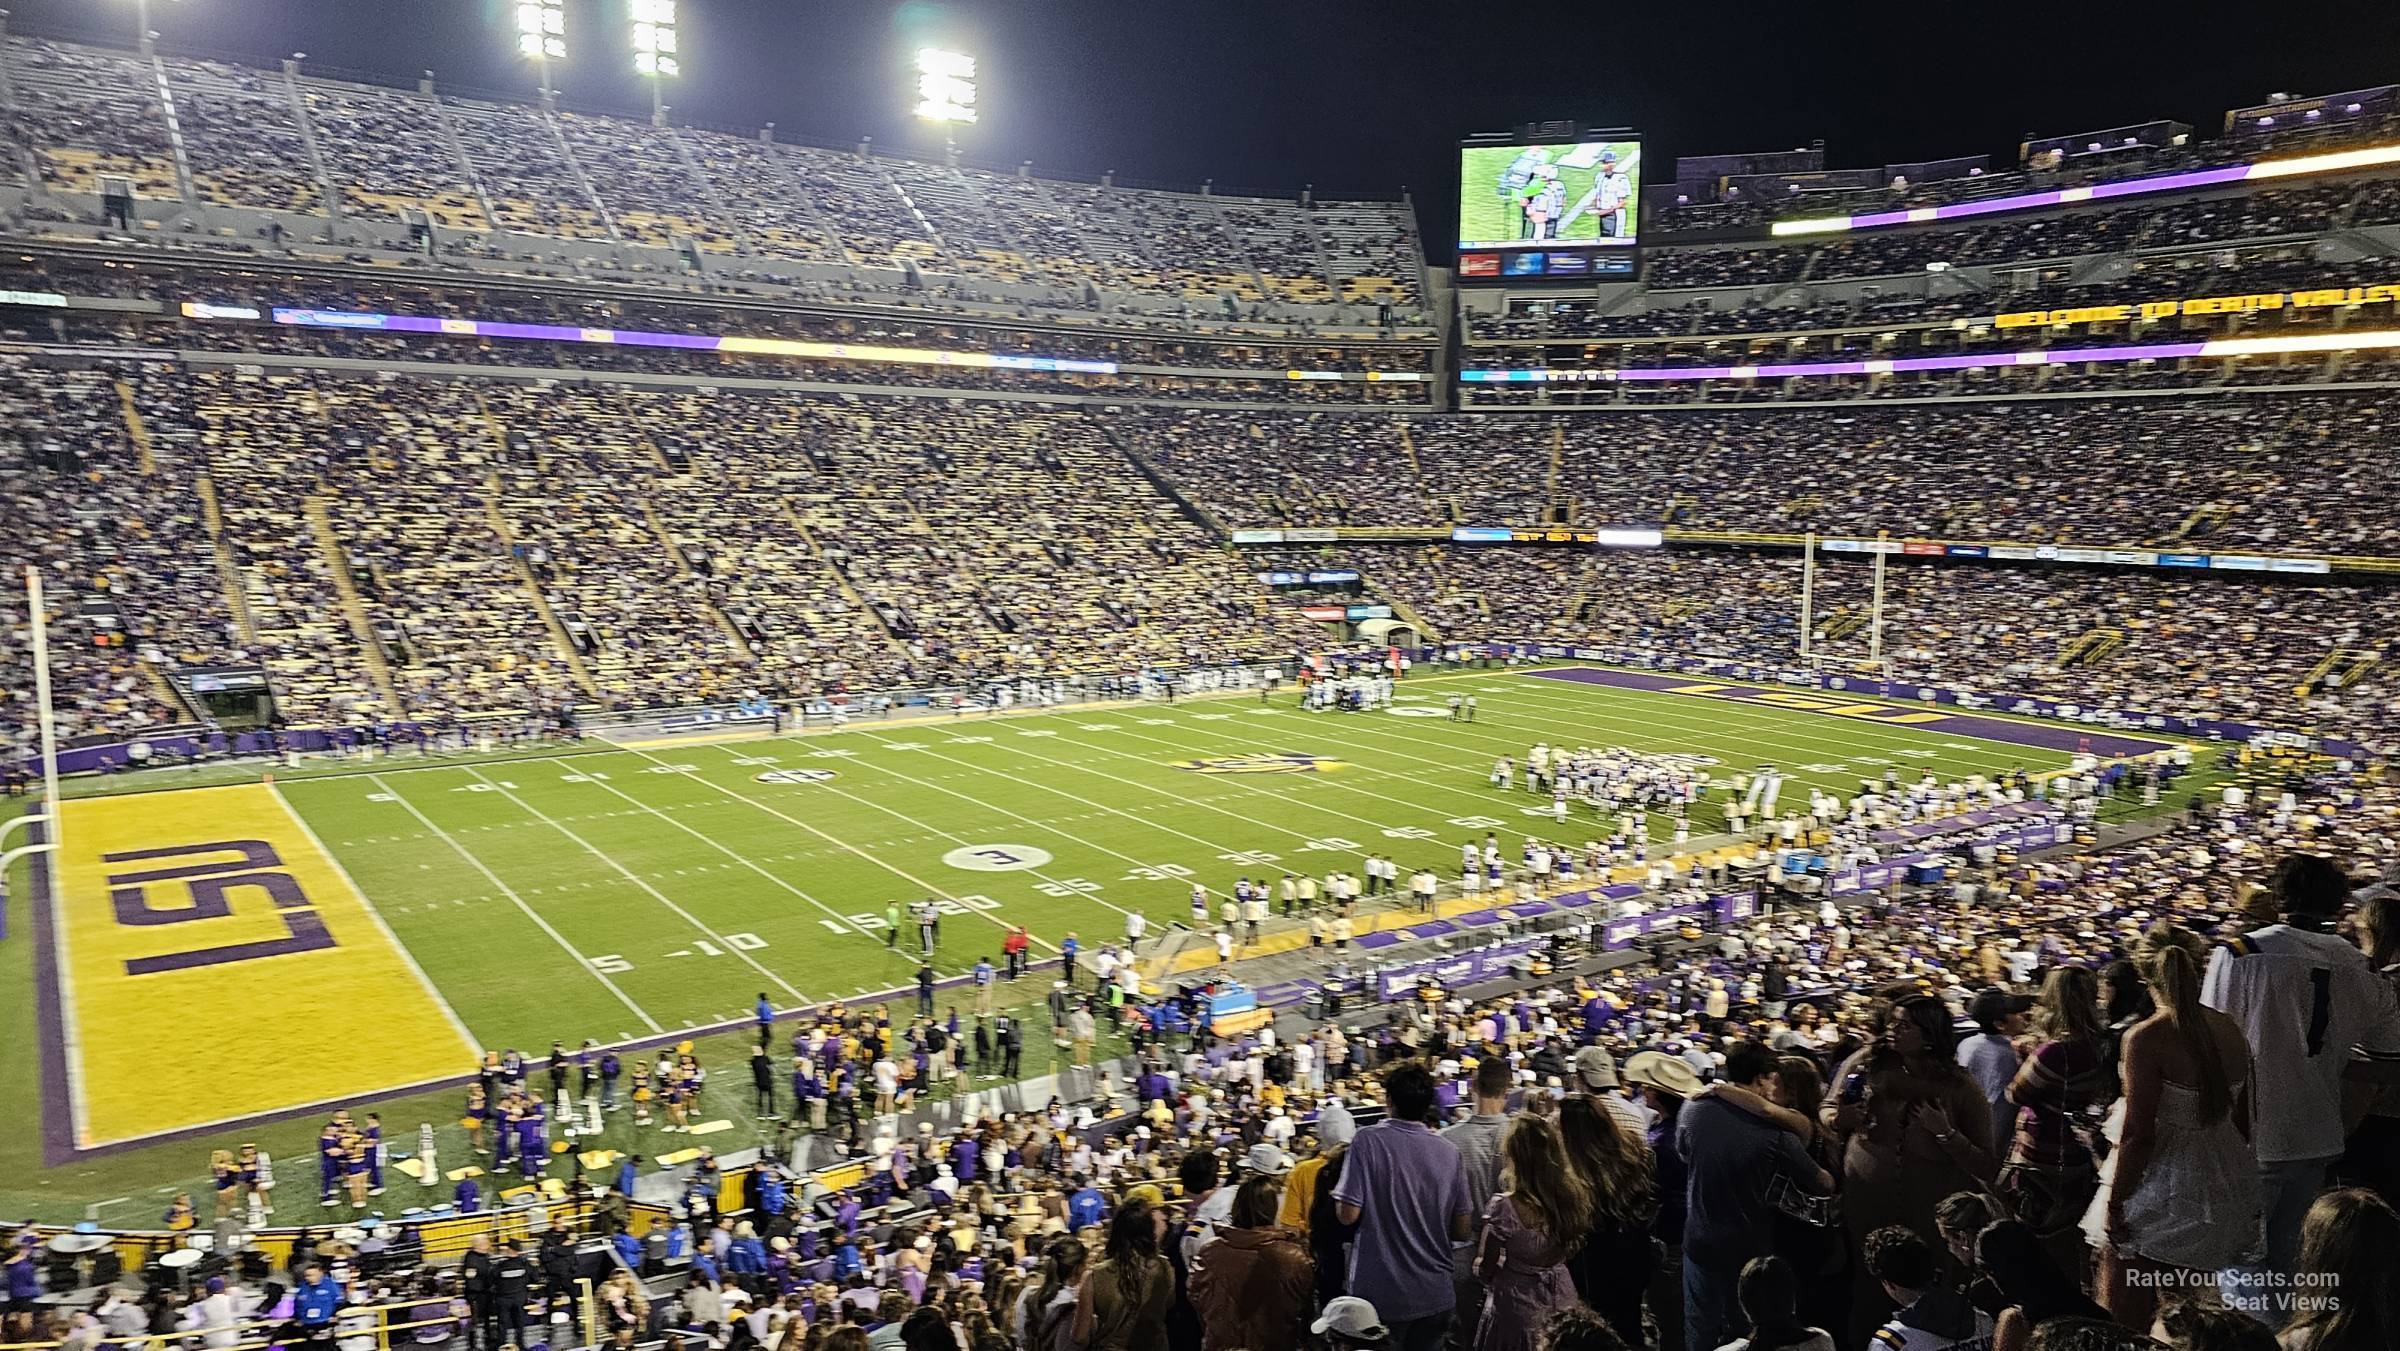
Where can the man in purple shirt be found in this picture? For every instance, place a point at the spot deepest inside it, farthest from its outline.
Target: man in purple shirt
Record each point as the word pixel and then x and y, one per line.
pixel 1406 1190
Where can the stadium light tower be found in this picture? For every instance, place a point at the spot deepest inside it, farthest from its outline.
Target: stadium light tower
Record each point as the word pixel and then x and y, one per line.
pixel 945 89
pixel 542 35
pixel 654 53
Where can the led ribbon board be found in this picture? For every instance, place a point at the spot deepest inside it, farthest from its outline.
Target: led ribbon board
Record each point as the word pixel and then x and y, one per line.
pixel 2331 163
pixel 360 320
pixel 2067 356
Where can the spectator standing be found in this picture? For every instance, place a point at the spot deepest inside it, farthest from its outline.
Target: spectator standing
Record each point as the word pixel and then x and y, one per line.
pixel 1478 1142
pixel 1613 1267
pixel 1529 1231
pixel 1990 1055
pixel 1122 1303
pixel 1406 1190
pixel 2050 1175
pixel 2305 999
pixel 1733 1160
pixel 2181 1190
pixel 1044 1319
pixel 2372 1158
pixel 1255 1285
pixel 1915 1128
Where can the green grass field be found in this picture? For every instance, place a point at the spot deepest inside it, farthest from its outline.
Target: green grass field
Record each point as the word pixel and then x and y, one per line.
pixel 625 893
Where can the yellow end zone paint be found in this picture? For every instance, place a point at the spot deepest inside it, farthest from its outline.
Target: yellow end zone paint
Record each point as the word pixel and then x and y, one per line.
pixel 189 921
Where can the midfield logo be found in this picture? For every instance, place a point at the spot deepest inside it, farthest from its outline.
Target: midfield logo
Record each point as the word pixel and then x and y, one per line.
pixel 1261 764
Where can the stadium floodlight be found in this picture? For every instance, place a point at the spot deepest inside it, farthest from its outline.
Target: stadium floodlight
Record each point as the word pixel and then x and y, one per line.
pixel 654 47
pixel 945 86
pixel 542 30
pixel 542 35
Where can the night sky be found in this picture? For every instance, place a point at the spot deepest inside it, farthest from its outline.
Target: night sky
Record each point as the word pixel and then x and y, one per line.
pixel 1358 98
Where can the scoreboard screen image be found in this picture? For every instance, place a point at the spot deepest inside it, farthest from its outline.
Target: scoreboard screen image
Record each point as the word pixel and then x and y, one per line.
pixel 1547 210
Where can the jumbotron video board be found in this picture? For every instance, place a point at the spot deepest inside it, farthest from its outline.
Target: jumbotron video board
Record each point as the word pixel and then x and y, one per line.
pixel 1548 210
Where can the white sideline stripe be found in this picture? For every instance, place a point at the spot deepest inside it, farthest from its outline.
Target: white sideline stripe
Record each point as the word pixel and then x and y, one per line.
pixel 457 1024
pixel 771 810
pixel 629 875
pixel 510 892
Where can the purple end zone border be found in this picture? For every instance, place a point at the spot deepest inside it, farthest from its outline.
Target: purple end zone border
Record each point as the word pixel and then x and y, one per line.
pixel 2042 736
pixel 49 1004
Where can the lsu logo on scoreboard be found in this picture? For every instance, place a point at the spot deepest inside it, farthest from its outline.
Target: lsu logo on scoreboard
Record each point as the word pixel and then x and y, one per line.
pixel 1261 764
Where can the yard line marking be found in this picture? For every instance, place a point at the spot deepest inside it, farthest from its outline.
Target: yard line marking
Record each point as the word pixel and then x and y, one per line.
pixel 458 1024
pixel 771 810
pixel 731 853
pixel 530 913
pixel 993 806
pixel 655 893
pixel 1172 796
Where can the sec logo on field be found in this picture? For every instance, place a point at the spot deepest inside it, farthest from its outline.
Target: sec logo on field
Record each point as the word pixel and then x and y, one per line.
pixel 796 776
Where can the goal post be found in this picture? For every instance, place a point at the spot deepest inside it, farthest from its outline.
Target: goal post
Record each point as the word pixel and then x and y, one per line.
pixel 45 813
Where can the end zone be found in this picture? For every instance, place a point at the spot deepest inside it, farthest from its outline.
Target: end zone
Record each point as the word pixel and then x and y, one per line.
pixel 175 923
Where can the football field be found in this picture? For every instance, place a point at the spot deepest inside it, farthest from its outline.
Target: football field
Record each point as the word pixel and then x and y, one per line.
pixel 389 919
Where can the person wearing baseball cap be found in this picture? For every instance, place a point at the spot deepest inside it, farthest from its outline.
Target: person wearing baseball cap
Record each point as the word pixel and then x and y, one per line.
pixel 1596 1075
pixel 1990 1056
pixel 1350 1321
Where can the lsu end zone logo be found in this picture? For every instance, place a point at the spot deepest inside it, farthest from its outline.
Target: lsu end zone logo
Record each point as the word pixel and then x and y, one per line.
pixel 1260 764
pixel 796 776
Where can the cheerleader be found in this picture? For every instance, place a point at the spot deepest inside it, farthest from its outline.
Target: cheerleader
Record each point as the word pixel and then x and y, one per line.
pixel 227 1179
pixel 354 1169
pixel 258 1177
pixel 180 1218
pixel 642 1093
pixel 679 1096
pixel 479 1112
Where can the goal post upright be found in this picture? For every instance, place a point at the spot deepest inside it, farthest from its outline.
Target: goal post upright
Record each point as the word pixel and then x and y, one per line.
pixel 46 814
pixel 1875 608
pixel 1808 590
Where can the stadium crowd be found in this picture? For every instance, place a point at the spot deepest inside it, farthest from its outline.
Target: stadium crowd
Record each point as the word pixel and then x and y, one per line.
pixel 2030 1107
pixel 271 141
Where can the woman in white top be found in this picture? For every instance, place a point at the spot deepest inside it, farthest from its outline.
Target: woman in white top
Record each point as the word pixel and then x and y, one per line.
pixel 2180 1192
